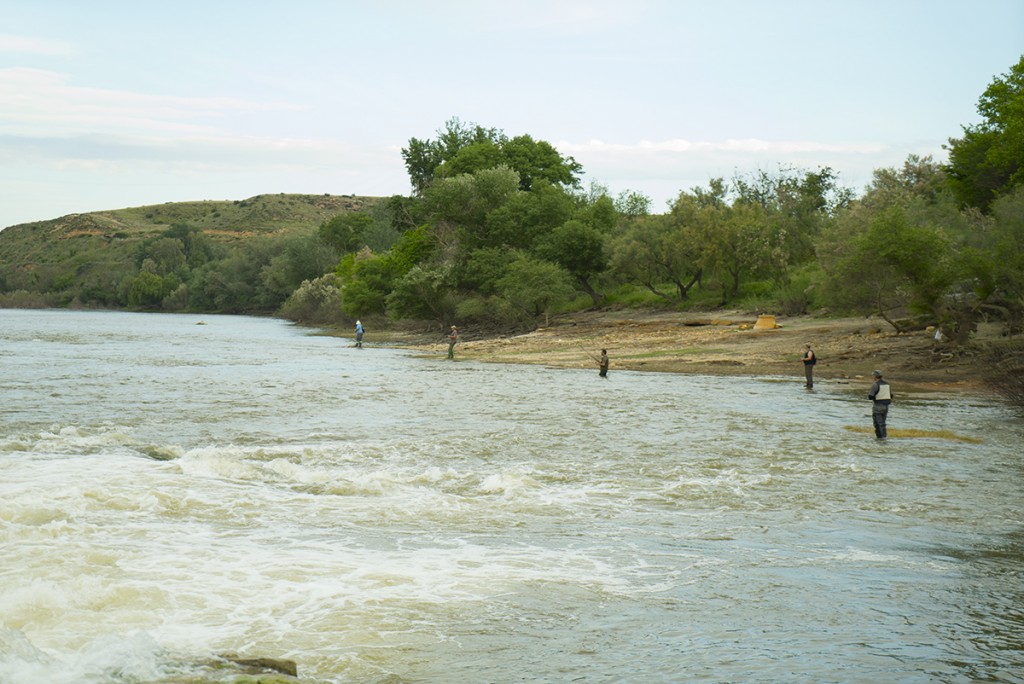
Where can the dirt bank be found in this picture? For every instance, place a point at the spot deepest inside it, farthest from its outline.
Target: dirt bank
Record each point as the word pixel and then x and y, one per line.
pixel 726 343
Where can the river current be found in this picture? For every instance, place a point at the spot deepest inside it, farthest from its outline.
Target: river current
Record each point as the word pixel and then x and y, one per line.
pixel 177 486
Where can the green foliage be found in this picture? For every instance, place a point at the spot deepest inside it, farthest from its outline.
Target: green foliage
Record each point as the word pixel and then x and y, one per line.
pixel 424 292
pixel 484 268
pixel 207 246
pixel 315 301
pixel 905 248
pixel 526 217
pixel 658 250
pixel 498 231
pixel 414 247
pixel 632 296
pixel 734 244
pixel 795 206
pixel 361 299
pixel 366 283
pixel 800 294
pixel 1007 247
pixel 22 299
pixel 537 160
pixel 295 260
pixel 423 157
pixel 988 161
pixel 472 158
pixel 633 204
pixel 534 286
pixel 492 312
pixel 167 255
pixel 469 148
pixel 147 289
pixel 920 255
pixel 344 232
pixel 177 300
pixel 465 200
pixel 579 249
pixel 600 214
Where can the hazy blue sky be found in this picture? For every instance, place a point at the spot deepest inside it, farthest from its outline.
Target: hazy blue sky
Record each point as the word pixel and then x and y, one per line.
pixel 108 104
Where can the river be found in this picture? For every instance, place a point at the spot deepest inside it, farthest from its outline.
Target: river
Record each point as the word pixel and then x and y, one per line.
pixel 176 486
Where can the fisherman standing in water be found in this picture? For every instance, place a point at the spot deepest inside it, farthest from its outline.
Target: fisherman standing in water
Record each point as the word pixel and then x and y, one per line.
pixel 602 363
pixel 359 334
pixel 453 338
pixel 881 395
pixel 809 360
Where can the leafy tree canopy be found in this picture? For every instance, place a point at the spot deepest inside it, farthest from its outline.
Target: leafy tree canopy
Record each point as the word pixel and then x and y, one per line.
pixel 462 148
pixel 988 160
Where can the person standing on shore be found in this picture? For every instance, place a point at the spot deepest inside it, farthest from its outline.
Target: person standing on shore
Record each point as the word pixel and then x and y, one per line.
pixel 881 395
pixel 453 338
pixel 809 360
pixel 359 334
pixel 602 363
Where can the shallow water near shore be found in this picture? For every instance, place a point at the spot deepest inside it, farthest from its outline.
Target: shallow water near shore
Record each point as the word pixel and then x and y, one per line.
pixel 171 490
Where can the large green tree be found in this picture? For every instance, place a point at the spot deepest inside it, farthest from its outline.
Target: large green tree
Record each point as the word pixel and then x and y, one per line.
pixel 988 160
pixel 534 285
pixel 796 206
pixel 655 251
pixel 579 249
pixel 423 157
pixel 906 248
pixel 462 148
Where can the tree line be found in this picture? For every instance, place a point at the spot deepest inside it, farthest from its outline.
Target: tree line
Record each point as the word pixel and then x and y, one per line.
pixel 500 233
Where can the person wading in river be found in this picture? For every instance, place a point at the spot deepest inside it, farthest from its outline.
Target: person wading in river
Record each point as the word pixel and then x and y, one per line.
pixel 881 395
pixel 602 363
pixel 809 360
pixel 453 339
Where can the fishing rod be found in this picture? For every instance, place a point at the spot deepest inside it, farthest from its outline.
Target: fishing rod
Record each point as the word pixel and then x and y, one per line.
pixel 596 358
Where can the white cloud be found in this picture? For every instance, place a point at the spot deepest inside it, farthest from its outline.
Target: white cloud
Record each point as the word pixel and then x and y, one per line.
pixel 750 145
pixel 200 154
pixel 29 45
pixel 41 102
pixel 661 169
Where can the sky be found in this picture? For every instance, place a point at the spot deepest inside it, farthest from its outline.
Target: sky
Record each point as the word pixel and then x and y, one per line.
pixel 110 104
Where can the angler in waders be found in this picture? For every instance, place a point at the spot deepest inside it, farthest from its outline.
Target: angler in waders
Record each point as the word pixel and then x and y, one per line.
pixel 809 360
pixel 602 364
pixel 453 339
pixel 881 397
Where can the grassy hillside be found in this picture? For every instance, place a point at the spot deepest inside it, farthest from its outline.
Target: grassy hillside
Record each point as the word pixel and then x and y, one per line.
pixel 80 257
pixel 226 221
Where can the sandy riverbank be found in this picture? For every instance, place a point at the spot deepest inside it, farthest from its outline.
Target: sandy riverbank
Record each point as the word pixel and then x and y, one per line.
pixel 725 343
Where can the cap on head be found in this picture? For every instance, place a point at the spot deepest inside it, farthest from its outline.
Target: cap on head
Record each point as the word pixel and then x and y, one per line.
pixel 876 373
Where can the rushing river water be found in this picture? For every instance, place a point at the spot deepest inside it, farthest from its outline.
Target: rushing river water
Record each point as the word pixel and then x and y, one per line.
pixel 169 491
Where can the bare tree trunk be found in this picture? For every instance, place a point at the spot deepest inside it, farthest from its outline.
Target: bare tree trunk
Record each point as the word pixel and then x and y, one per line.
pixel 595 296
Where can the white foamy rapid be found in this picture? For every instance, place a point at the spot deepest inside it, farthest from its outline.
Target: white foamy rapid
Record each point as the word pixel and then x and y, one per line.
pixel 169 492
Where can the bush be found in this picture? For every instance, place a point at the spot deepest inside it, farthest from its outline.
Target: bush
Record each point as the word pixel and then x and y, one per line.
pixel 176 300
pixel 1007 374
pixel 493 313
pixel 23 299
pixel 636 297
pixel 315 301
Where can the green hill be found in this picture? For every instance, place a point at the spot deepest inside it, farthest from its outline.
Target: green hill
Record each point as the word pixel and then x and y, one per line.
pixel 90 259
